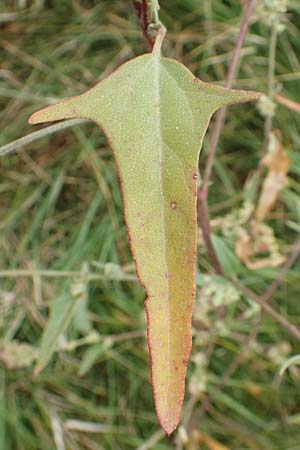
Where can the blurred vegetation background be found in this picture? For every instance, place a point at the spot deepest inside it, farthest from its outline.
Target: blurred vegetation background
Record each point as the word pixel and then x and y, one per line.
pixel 65 263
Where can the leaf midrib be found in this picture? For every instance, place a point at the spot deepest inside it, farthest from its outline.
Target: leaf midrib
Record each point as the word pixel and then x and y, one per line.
pixel 157 103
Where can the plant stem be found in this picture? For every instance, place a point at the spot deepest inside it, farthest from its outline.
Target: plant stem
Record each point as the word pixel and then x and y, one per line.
pixel 271 86
pixel 142 13
pixel 277 317
pixel 158 41
pixel 148 16
pixel 26 140
pixel 203 191
pixel 231 369
pixel 63 274
pixel 219 121
pixel 206 231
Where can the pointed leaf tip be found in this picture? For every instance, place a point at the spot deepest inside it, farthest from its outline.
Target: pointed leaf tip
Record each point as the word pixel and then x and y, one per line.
pixel 233 96
pixel 70 108
pixel 248 96
pixel 48 114
pixel 169 427
pixel 33 119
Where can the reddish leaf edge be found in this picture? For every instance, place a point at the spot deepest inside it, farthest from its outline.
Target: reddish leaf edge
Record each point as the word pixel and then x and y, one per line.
pixel 168 426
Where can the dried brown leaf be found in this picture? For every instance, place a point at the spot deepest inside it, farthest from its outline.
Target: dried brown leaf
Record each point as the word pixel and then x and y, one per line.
pixel 278 164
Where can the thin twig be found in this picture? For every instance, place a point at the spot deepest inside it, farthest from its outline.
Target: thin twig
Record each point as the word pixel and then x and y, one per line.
pixel 271 95
pixel 267 296
pixel 205 222
pixel 271 86
pixel 26 140
pixel 247 341
pixel 280 279
pixel 64 274
pixel 142 12
pixel 206 231
pixel 219 121
pixel 127 336
pixel 289 327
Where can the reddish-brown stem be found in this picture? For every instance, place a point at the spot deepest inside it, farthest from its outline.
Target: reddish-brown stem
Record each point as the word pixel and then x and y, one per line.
pixel 142 11
pixel 220 116
pixel 203 213
pixel 206 229
pixel 219 121
pixel 203 194
pixel 147 14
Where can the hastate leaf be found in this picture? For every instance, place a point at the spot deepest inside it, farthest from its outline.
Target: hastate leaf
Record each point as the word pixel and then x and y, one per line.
pixel 154 113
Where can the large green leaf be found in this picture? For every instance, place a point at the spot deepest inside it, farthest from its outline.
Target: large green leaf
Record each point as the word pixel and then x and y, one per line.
pixel 154 113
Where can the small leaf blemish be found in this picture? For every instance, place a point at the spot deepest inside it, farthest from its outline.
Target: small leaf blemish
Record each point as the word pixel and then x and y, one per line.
pixel 173 205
